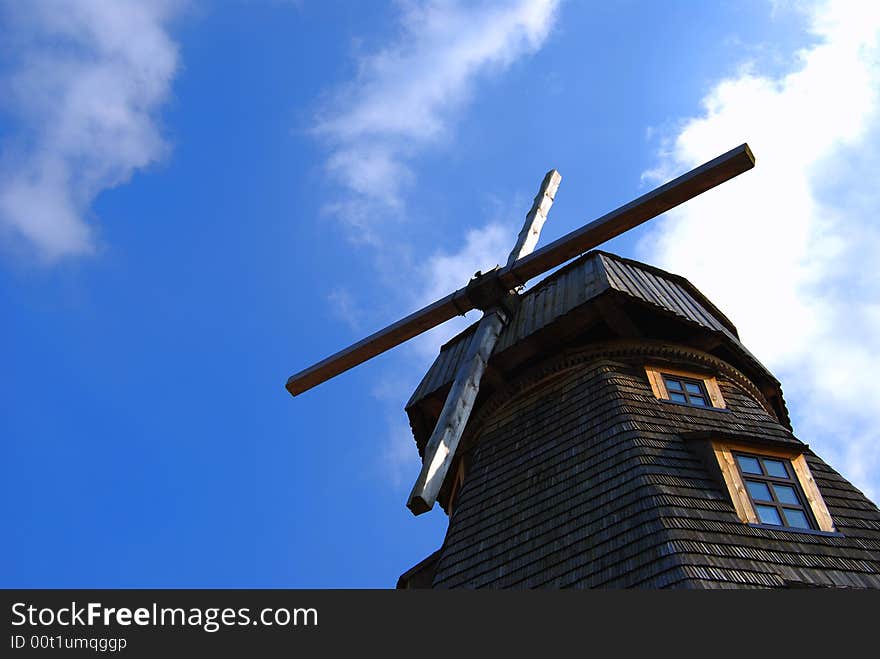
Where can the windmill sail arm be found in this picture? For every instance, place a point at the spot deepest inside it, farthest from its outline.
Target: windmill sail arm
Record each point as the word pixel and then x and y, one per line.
pixel 517 272
pixel 454 304
pixel 441 446
pixel 535 218
pixel 658 201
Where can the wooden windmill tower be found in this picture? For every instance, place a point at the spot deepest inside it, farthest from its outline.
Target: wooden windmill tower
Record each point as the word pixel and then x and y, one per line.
pixel 607 428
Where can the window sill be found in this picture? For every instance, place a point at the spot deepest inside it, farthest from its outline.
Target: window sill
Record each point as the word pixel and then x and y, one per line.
pixel 789 529
pixel 709 408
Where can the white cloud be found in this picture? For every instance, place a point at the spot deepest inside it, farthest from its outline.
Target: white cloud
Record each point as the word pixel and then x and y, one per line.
pixel 86 81
pixel 405 95
pixel 789 250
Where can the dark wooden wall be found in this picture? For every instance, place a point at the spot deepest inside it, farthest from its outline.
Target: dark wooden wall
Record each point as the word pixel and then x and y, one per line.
pixel 588 481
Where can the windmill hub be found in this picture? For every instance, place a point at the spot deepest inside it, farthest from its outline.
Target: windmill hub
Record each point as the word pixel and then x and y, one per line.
pixel 486 291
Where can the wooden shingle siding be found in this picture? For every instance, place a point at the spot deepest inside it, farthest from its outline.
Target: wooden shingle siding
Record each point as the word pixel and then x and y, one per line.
pixel 588 481
pixel 666 292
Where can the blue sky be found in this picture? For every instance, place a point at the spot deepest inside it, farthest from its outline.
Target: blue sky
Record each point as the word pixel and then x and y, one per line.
pixel 197 200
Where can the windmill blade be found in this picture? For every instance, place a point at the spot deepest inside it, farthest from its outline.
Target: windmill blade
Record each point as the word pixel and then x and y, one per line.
pixel 454 304
pixel 443 442
pixel 535 218
pixel 650 205
pixel 707 176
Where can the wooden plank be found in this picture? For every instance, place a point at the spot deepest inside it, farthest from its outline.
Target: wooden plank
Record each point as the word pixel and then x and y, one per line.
pixel 735 485
pixel 714 392
pixel 812 493
pixel 441 446
pixel 535 218
pixel 420 321
pixel 528 265
pixel 763 449
pixel 443 442
pixel 656 382
pixel 658 201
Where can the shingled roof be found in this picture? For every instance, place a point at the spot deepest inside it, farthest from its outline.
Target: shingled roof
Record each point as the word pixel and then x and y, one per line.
pixel 563 301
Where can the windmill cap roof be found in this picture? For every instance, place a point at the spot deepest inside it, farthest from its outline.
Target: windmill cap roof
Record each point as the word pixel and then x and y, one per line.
pixel 579 283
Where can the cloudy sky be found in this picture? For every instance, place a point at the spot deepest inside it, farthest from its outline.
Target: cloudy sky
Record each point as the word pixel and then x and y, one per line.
pixel 198 199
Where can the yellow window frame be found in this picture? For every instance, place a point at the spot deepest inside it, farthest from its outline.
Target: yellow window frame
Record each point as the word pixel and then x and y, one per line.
pixel 723 452
pixel 658 386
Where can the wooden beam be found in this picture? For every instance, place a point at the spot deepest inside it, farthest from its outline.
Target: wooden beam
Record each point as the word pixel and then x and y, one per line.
pixel 735 486
pixel 420 321
pixel 535 218
pixel 441 446
pixel 689 185
pixel 814 496
pixel 440 449
pixel 527 266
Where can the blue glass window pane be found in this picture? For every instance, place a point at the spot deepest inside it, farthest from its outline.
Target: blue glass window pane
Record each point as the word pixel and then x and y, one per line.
pixel 768 515
pixel 678 398
pixel 698 400
pixel 672 384
pixel 786 494
pixel 775 468
pixel 796 518
pixel 758 490
pixel 748 465
pixel 693 388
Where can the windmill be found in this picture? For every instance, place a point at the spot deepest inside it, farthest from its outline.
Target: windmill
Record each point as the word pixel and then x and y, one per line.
pixel 497 293
pixel 608 428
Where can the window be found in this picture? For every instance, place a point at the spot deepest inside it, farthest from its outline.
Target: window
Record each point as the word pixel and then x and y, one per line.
pixel 771 485
pixel 685 390
pixel 685 387
pixel 774 491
